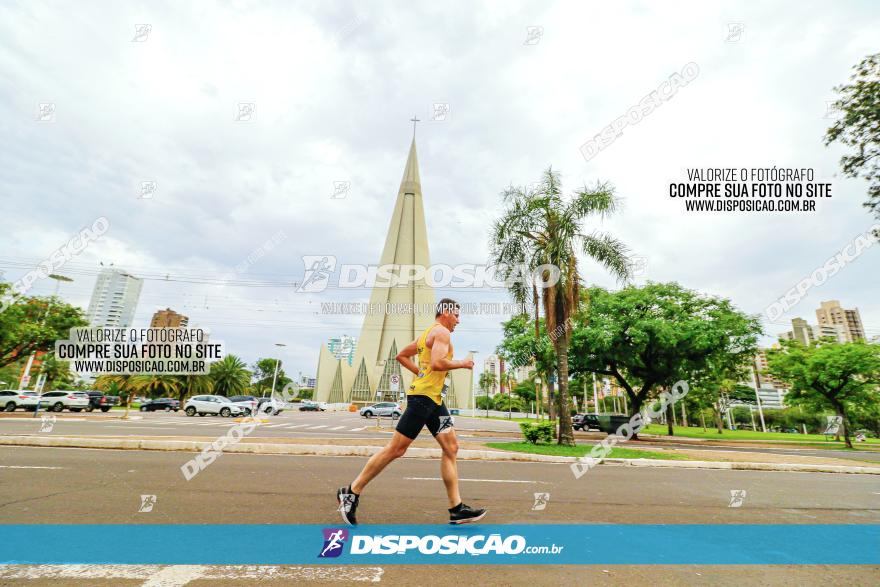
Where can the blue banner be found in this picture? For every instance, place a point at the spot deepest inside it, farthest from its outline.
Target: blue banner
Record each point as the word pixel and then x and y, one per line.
pixel 276 544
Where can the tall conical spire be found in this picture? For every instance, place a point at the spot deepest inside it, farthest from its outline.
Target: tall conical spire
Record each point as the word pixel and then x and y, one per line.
pixel 411 182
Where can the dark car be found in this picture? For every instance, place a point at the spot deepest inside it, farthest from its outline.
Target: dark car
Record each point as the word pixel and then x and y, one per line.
pixel 585 421
pixel 99 401
pixel 310 406
pixel 163 403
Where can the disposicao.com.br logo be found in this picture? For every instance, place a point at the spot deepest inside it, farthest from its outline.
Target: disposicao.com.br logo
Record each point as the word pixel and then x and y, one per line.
pixel 431 544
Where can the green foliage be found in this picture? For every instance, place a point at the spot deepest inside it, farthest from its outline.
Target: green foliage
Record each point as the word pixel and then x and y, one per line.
pixel 485 402
pixel 264 371
pixel 525 391
pixel 230 376
pixel 828 374
pixel 656 334
pixel 537 432
pixel 859 127
pixel 504 402
pixel 32 324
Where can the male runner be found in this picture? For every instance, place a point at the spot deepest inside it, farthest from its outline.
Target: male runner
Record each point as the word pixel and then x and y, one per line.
pixel 424 407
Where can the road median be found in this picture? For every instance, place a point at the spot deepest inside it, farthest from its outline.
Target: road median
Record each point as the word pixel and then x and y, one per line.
pixel 274 448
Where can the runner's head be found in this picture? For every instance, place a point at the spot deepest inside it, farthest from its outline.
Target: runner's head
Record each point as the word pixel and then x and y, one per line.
pixel 447 313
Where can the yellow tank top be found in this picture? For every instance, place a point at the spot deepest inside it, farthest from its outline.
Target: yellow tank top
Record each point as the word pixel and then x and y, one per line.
pixel 428 382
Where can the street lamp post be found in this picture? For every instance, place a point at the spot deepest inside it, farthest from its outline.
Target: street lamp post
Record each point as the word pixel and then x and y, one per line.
pixel 473 390
pixel 58 279
pixel 277 364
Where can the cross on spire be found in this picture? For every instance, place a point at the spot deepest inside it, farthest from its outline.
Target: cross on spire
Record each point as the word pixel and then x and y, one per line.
pixel 414 120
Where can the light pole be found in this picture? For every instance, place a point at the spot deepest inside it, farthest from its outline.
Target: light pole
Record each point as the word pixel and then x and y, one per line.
pixel 595 396
pixel 758 396
pixel 58 279
pixel 473 391
pixel 277 364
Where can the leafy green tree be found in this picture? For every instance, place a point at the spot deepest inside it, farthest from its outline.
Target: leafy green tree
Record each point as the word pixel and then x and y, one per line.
pixel 506 403
pixel 487 381
pixel 520 347
pixel 119 385
pixel 828 374
pixel 57 372
pixel 525 391
pixel 540 230
pixel 264 371
pixel 30 324
pixel 230 376
pixel 656 334
pixel 485 402
pixel 859 127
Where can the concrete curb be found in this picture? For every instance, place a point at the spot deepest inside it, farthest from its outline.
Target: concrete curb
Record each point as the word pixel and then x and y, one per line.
pixel 366 451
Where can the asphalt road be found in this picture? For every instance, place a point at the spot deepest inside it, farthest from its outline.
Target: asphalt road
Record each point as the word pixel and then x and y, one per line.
pixel 41 485
pixel 322 425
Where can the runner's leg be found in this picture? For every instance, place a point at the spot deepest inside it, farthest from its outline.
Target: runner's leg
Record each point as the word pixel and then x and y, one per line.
pixel 395 449
pixel 440 424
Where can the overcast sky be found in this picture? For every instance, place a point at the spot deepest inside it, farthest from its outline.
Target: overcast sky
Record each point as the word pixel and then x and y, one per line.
pixel 334 85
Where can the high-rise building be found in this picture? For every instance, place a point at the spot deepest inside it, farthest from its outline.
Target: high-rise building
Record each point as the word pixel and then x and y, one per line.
pixel 836 332
pixel 800 331
pixel 168 318
pixel 114 299
pixel 369 377
pixel 830 312
pixel 492 364
pixel 764 377
pixel 342 348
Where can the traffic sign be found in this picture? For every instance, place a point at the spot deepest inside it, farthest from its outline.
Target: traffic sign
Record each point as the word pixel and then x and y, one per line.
pixel 395 382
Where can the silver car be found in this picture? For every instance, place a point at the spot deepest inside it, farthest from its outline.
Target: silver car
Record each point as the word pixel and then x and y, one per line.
pixel 382 409
pixel 212 404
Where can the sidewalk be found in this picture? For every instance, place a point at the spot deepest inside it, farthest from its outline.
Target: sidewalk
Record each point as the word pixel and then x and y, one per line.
pixel 427 449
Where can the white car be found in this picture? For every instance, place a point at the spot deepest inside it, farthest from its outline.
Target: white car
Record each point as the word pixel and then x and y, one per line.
pixel 212 404
pixel 56 401
pixel 12 399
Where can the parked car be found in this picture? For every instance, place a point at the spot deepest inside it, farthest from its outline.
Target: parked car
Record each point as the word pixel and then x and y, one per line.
pixel 212 404
pixel 163 403
pixel 585 421
pixel 248 403
pixel 99 401
pixel 382 409
pixel 75 401
pixel 310 406
pixel 12 399
pixel 270 406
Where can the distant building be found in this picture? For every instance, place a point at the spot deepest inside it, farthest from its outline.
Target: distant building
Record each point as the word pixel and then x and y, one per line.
pixel 830 312
pixel 343 348
pixel 168 318
pixel 492 364
pixel 114 299
pixel 807 333
pixel 306 382
pixel 764 377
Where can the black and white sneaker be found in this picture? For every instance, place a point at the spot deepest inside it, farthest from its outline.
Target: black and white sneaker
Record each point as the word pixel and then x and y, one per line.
pixel 348 505
pixel 464 514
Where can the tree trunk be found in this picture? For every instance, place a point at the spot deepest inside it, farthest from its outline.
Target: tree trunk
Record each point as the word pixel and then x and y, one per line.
pixel 716 412
pixel 566 434
pixel 841 412
pixel 551 397
pixel 684 415
pixel 669 419
pixel 702 418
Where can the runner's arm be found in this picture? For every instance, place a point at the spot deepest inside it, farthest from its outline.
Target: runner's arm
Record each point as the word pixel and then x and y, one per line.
pixel 404 357
pixel 440 349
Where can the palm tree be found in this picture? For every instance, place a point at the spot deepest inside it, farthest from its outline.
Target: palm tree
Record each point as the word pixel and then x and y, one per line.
pixel 156 384
pixel 487 382
pixel 230 376
pixel 540 232
pixel 194 385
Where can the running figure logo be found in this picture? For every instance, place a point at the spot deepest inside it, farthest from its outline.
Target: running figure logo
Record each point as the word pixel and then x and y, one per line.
pixel 318 269
pixel 737 497
pixel 334 540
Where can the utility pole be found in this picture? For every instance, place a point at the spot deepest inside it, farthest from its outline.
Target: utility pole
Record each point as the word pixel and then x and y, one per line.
pixel 758 395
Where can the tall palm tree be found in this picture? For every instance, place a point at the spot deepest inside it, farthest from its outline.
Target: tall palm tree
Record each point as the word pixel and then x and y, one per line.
pixel 194 385
pixel 120 385
pixel 541 231
pixel 230 376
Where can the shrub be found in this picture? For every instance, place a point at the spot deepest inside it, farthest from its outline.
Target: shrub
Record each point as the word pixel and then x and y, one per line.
pixel 537 432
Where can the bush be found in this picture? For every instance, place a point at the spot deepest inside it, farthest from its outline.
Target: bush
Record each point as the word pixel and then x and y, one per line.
pixel 538 432
pixel 502 401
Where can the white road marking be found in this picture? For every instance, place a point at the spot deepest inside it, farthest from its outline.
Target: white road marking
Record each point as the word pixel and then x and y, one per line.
pixel 479 480
pixel 297 426
pixel 179 575
pixel 316 427
pixel 27 467
pixel 358 429
pixel 336 428
pixel 274 425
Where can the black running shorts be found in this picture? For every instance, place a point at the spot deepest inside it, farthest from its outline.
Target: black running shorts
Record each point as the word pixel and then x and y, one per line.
pixel 422 411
